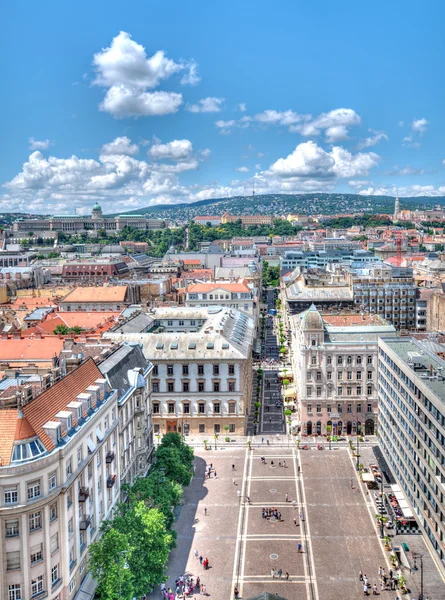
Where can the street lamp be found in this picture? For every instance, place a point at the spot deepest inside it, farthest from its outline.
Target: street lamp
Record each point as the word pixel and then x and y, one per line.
pixel 417 555
pixel 358 447
pixel 216 439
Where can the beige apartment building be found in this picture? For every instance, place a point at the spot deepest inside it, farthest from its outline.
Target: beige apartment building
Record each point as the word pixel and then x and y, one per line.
pixel 59 479
pixel 202 369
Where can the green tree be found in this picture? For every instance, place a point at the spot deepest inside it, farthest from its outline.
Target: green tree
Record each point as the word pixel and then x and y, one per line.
pixel 157 492
pixel 61 330
pixel 107 561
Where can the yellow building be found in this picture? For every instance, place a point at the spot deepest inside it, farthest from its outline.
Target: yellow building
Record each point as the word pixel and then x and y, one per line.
pixel 247 220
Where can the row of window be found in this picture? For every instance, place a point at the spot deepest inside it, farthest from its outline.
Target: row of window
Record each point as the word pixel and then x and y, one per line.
pixel 186 369
pixel 12 526
pixel 340 391
pixel 349 375
pixel 349 406
pixel 216 387
pixel 186 408
pixel 201 428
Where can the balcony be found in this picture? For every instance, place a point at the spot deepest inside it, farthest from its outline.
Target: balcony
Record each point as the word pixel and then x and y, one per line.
pixel 109 457
pixel 111 480
pixel 84 522
pixel 84 492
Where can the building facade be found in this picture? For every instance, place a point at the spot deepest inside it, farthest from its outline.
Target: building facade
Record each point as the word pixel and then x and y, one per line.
pixel 202 373
pixel 58 481
pixel 412 432
pixel 248 220
pixel 221 293
pixel 128 371
pixel 335 370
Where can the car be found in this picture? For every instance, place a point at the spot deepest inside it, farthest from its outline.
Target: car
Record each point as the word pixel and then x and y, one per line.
pixel 341 439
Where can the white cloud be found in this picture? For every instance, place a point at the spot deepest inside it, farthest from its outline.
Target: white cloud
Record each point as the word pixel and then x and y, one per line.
pixel 206 105
pixel 309 160
pixel 419 125
pixel 372 140
pixel 175 150
pixel 242 107
pixel 405 192
pixel 127 73
pixel 356 184
pixel 122 102
pixel 409 142
pixel 401 123
pixel 191 77
pixel 242 169
pixel 206 152
pixel 120 145
pixel 335 124
pixel 275 117
pixel 39 144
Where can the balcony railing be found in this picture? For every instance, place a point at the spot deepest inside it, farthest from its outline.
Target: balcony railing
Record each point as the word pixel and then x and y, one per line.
pixel 85 522
pixel 109 457
pixel 84 492
pixel 111 480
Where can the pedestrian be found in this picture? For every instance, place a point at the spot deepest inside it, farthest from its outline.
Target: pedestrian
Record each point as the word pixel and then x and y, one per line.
pixel 295 521
pixel 374 590
pixel 200 560
pixel 280 573
pixel 234 481
pixel 262 440
pixel 299 468
pixel 294 503
pixel 233 467
pixel 205 511
pixel 204 590
pixel 299 547
pixel 272 573
pixel 267 442
pixel 196 553
pixel 211 466
pixel 360 575
pixel 286 576
pixel 380 572
pixel 236 593
pixel 301 517
pixel 365 590
pixel 198 582
pixel 287 497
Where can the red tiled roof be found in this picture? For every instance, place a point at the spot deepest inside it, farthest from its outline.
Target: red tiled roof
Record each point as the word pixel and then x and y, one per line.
pixel 209 287
pixel 47 405
pixel 191 261
pixel 23 429
pixel 29 349
pixel 115 293
pixel 8 418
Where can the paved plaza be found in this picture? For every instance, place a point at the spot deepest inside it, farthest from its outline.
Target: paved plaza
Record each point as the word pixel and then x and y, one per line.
pixel 337 533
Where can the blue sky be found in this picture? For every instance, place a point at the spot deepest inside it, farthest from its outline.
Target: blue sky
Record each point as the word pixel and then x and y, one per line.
pixel 163 102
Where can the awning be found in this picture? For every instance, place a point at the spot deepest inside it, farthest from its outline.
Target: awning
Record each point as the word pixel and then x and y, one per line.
pixel 99 434
pixel 91 445
pixel 87 589
pixel 368 477
pixel 290 391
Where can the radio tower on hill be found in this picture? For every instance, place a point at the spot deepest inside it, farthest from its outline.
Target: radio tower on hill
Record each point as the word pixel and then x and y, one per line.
pixel 396 207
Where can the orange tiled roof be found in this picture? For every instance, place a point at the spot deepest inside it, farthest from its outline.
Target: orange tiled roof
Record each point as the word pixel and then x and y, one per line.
pixel 191 261
pixel 352 320
pixel 8 419
pixel 115 293
pixel 209 287
pixel 47 405
pixel 29 349
pixel 91 321
pixel 23 429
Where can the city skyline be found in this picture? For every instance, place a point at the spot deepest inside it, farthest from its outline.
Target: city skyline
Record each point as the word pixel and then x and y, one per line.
pixel 137 109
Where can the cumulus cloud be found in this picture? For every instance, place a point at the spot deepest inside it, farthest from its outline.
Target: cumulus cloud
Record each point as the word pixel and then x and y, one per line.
pixel 309 160
pixel 372 140
pixel 39 144
pixel 335 124
pixel 419 125
pixel 242 107
pixel 127 74
pixel 120 145
pixel 206 105
pixel 175 150
pixel 191 77
pixel 405 192
pixel 242 169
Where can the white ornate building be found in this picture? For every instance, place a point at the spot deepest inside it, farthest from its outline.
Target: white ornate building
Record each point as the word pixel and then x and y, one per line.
pixel 335 369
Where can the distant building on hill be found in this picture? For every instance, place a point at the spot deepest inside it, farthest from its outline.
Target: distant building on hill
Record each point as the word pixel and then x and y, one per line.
pixel 248 220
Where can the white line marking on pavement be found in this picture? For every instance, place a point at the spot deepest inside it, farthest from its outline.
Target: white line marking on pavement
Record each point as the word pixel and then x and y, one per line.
pixel 240 514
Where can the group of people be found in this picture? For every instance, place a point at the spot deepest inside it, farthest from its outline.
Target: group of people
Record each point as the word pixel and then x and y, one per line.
pixel 184 586
pixel 279 574
pixel 387 582
pixel 268 513
pixel 209 470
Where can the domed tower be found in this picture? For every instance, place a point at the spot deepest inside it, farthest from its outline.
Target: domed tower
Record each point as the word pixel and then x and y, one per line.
pixel 311 326
pixel 96 213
